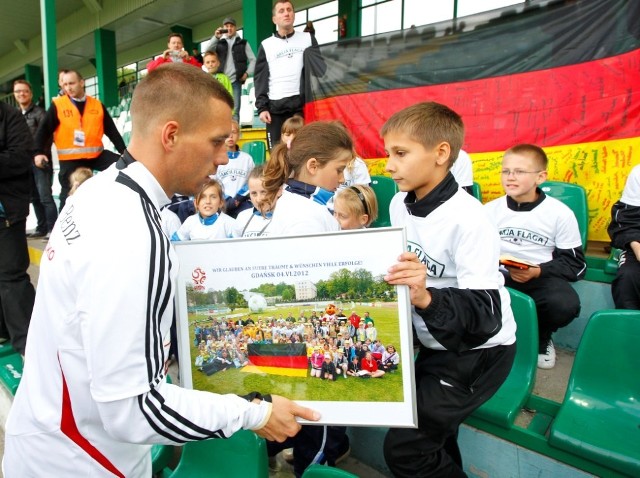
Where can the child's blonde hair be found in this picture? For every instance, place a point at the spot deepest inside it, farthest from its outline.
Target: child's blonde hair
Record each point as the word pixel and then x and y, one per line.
pixel 322 140
pixel 534 151
pixel 429 124
pixel 359 199
pixel 77 177
pixel 292 125
pixel 219 188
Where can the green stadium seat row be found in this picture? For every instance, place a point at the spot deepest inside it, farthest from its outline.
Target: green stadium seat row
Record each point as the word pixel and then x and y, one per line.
pixel 598 421
pixel 10 368
pixel 503 408
pixel 574 196
pixel 599 418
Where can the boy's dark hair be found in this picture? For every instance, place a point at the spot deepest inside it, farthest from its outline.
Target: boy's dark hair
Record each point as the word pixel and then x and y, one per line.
pixel 536 152
pixel 429 123
pixel 210 53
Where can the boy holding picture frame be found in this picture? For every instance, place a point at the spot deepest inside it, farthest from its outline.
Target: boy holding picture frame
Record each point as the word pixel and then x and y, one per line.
pixel 461 310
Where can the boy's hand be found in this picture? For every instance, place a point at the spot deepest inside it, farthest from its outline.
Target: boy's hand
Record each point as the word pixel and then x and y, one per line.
pixel 524 275
pixel 282 423
pixel 411 272
pixel 635 247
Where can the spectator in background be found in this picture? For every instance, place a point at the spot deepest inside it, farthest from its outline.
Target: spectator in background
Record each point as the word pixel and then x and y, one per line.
pixel 174 53
pixel 42 197
pixel 77 123
pixel 79 176
pixel 212 64
pixel 238 65
pixel 463 172
pixel 624 231
pixel 195 53
pixel 279 71
pixel 16 291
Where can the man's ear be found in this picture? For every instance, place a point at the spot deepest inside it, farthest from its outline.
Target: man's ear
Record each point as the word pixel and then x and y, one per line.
pixel 169 135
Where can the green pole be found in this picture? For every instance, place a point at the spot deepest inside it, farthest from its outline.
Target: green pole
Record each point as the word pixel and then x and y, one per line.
pixel 33 75
pixel 257 24
pixel 105 43
pixel 49 49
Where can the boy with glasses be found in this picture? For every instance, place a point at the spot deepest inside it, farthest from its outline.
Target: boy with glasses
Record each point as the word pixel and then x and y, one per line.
pixel 542 231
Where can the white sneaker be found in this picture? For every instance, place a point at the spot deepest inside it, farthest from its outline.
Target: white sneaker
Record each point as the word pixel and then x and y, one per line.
pixel 547 360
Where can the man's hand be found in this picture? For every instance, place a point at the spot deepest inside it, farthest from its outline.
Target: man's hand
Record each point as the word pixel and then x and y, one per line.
pixel 282 423
pixel 411 272
pixel 265 117
pixel 40 160
pixel 218 33
pixel 244 78
pixel 524 275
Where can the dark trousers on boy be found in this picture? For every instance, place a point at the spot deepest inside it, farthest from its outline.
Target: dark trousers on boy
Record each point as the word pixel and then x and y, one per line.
pixel 557 304
pixel 449 387
pixel 625 288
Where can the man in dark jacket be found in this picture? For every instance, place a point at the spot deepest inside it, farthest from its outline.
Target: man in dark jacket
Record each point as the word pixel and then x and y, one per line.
pixel 41 195
pixel 237 60
pixel 16 291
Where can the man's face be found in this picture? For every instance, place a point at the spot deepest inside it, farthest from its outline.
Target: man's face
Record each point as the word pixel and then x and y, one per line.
pixel 284 16
pixel 175 43
pixel 22 94
pixel 232 29
pixel 73 85
pixel 200 150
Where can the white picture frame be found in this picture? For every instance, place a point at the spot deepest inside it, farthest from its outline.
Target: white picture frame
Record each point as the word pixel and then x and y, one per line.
pixel 210 268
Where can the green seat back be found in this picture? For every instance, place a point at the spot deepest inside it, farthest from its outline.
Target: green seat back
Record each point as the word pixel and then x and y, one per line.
pixel 503 408
pixel 322 471
pixel 243 455
pixel 574 196
pixel 477 191
pixel 11 371
pixel 611 264
pixel 599 418
pixel 257 150
pixel 385 188
pixel 6 349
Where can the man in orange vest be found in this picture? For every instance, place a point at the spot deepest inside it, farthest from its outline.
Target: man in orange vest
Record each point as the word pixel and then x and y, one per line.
pixel 77 123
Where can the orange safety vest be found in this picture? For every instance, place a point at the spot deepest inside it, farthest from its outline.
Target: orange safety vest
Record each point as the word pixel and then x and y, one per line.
pixel 91 123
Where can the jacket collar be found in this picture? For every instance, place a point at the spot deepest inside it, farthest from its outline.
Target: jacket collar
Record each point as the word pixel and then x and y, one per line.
pixel 441 193
pixel 526 206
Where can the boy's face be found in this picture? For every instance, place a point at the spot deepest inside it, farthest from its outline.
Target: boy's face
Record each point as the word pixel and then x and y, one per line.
pixel 520 175
pixel 414 167
pixel 232 140
pixel 211 63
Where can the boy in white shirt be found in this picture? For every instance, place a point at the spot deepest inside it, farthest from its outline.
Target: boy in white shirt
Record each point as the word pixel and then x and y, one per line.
pixel 544 231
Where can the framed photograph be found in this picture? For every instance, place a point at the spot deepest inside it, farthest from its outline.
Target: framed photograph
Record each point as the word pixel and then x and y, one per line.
pixel 287 316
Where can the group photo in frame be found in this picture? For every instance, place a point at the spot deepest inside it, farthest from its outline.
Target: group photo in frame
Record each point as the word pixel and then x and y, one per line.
pixel 286 316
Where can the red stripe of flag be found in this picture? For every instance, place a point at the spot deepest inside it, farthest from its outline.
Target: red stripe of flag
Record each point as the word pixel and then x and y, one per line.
pixel 591 101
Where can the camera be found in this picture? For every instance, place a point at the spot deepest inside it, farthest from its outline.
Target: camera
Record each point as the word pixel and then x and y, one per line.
pixel 224 30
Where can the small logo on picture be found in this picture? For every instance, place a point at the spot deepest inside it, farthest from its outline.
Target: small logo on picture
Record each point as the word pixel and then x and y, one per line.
pixel 199 277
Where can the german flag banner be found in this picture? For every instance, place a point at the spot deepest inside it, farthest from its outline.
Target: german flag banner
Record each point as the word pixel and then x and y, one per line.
pixel 561 74
pixel 278 359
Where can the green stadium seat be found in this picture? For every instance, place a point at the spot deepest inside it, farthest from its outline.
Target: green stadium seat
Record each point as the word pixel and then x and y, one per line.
pixel 243 455
pixel 6 349
pixel 477 191
pixel 611 264
pixel 323 471
pixel 503 408
pixel 599 418
pixel 11 371
pixel 574 196
pixel 161 456
pixel 385 188
pixel 257 150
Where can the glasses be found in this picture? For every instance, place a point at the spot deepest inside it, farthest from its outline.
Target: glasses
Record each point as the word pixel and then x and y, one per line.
pixel 20 91
pixel 517 173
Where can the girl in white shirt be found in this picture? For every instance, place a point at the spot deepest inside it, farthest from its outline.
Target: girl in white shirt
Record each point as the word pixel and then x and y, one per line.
pixel 210 221
pixel 310 169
